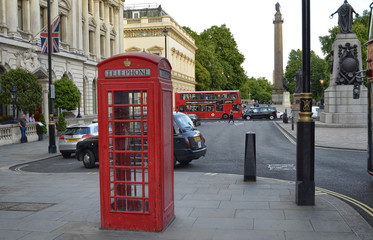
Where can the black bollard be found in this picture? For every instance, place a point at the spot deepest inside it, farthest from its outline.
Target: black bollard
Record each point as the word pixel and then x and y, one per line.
pixel 250 158
pixel 292 123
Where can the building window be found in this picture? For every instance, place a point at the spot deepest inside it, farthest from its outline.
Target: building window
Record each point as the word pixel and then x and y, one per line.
pixel 20 15
pixel 90 6
pixel 135 14
pixel 42 18
pixel 101 10
pixel 91 39
pixel 112 47
pixel 102 46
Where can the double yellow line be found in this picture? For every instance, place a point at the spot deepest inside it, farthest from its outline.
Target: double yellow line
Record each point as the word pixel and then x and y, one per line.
pixel 285 134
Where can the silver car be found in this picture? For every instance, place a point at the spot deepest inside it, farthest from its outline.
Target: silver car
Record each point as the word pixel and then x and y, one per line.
pixel 74 134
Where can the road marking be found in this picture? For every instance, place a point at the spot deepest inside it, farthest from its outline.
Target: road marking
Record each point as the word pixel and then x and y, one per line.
pixel 4 168
pixel 18 169
pixel 285 134
pixel 91 172
pixel 210 174
pixel 281 167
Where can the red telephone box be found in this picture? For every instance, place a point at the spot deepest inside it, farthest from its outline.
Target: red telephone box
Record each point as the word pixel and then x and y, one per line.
pixel 136 142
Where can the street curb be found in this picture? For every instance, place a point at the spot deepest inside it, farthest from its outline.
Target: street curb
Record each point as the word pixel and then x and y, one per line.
pixel 317 145
pixel 31 161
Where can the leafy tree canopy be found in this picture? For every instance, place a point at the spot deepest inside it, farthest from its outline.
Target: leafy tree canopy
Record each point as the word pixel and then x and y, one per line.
pixel 29 91
pixel 67 94
pixel 258 89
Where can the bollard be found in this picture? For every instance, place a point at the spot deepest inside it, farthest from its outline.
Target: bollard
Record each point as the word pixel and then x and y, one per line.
pixel 292 123
pixel 250 158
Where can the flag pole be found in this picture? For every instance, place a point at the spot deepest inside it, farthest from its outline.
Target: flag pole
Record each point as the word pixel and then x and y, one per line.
pixel 52 132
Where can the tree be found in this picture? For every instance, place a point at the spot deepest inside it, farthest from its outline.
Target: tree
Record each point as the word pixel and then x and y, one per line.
pixel 217 47
pixel 317 71
pixel 29 91
pixel 258 89
pixel 360 27
pixel 67 94
pixel 61 126
pixel 42 129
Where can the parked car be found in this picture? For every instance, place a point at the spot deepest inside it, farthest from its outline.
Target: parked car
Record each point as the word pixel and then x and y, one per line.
pixel 189 144
pixel 74 134
pixel 196 120
pixel 315 111
pixel 260 112
pixel 279 114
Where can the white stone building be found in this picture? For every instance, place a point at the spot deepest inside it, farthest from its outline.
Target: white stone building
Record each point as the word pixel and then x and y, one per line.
pixel 90 31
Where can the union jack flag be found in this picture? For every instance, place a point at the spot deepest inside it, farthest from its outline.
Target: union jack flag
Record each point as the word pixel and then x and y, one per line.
pixel 55 33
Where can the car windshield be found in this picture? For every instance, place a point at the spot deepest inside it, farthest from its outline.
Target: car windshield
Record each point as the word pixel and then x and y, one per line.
pixel 184 122
pixel 77 131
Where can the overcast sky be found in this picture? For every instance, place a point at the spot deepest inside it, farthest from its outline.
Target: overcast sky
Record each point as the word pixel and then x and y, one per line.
pixel 251 23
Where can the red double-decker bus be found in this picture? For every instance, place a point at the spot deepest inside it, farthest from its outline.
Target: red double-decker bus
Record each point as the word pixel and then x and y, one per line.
pixel 209 104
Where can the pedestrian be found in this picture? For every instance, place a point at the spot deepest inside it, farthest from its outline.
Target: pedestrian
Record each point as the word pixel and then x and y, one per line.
pixel 231 117
pixel 22 125
pixel 32 118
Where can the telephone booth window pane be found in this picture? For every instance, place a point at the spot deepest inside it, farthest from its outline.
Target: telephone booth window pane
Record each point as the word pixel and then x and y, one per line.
pixel 144 98
pixel 111 160
pixel 128 174
pixel 145 128
pixel 128 144
pixel 125 97
pixel 127 113
pixel 146 190
pixel 110 144
pixel 146 175
pixel 146 205
pixel 145 144
pixel 109 98
pixel 129 205
pixel 110 128
pixel 127 128
pixel 128 159
pixel 145 159
pixel 129 190
pixel 112 204
pixel 145 113
pixel 112 189
pixel 110 113
pixel 111 174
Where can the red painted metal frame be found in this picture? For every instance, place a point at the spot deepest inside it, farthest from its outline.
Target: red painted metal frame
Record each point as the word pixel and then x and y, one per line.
pixel 136 194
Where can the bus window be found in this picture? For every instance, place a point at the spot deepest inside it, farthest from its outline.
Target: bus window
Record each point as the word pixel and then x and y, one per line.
pixel 181 108
pixel 234 96
pixel 202 108
pixel 201 96
pixel 193 96
pixel 217 96
pixel 210 108
pixel 194 108
pixel 219 108
pixel 225 96
pixel 236 107
pixel 209 96
pixel 184 96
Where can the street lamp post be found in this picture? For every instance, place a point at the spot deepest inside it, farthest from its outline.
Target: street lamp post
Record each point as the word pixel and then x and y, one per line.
pixel 322 94
pixel 165 33
pixel 79 116
pixel 13 93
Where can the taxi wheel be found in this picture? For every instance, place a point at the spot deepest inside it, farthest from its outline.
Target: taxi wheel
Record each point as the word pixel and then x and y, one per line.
pixel 66 155
pixel 225 116
pixel 88 159
pixel 271 117
pixel 247 117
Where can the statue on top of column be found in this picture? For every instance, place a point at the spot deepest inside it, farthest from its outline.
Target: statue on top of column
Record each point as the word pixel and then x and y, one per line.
pixel 277 7
pixel 345 17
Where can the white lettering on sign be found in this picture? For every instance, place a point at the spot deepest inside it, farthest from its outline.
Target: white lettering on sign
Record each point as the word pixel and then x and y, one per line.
pixel 127 72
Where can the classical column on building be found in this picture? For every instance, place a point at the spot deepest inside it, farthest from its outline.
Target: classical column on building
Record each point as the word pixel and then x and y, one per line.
pixel 54 10
pixel 35 20
pixel 108 26
pixel 27 20
pixel 278 52
pixel 3 26
pixel 80 27
pixel 97 31
pixel 12 18
pixel 73 27
pixel 120 30
pixel 85 28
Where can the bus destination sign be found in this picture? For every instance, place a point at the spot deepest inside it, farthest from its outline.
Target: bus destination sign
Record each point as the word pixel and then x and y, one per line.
pixel 139 72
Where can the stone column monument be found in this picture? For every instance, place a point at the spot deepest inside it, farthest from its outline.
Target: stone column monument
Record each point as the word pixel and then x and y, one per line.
pixel 340 107
pixel 277 93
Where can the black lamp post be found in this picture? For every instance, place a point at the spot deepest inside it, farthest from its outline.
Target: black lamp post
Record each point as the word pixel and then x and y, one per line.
pixel 80 99
pixel 165 33
pixel 322 94
pixel 13 93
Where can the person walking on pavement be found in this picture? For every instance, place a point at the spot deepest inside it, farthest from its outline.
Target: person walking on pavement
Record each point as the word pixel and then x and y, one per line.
pixel 231 117
pixel 22 126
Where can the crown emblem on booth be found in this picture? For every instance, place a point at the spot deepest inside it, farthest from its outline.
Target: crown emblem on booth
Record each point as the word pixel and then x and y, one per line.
pixel 127 63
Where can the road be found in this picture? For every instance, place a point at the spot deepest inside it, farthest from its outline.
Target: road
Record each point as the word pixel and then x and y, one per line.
pixel 343 172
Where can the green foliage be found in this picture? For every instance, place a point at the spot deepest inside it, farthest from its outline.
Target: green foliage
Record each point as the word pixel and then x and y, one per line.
pixel 258 89
pixel 29 91
pixel 218 52
pixel 67 94
pixel 61 125
pixel 317 72
pixel 360 27
pixel 42 129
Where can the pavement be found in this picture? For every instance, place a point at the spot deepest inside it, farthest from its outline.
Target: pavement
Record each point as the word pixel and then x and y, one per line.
pixel 207 205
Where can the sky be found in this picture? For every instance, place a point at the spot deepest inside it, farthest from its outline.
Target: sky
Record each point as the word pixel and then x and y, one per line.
pixel 251 23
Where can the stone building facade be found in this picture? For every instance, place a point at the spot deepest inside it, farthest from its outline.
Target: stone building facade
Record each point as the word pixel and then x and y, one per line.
pixel 90 31
pixel 150 29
